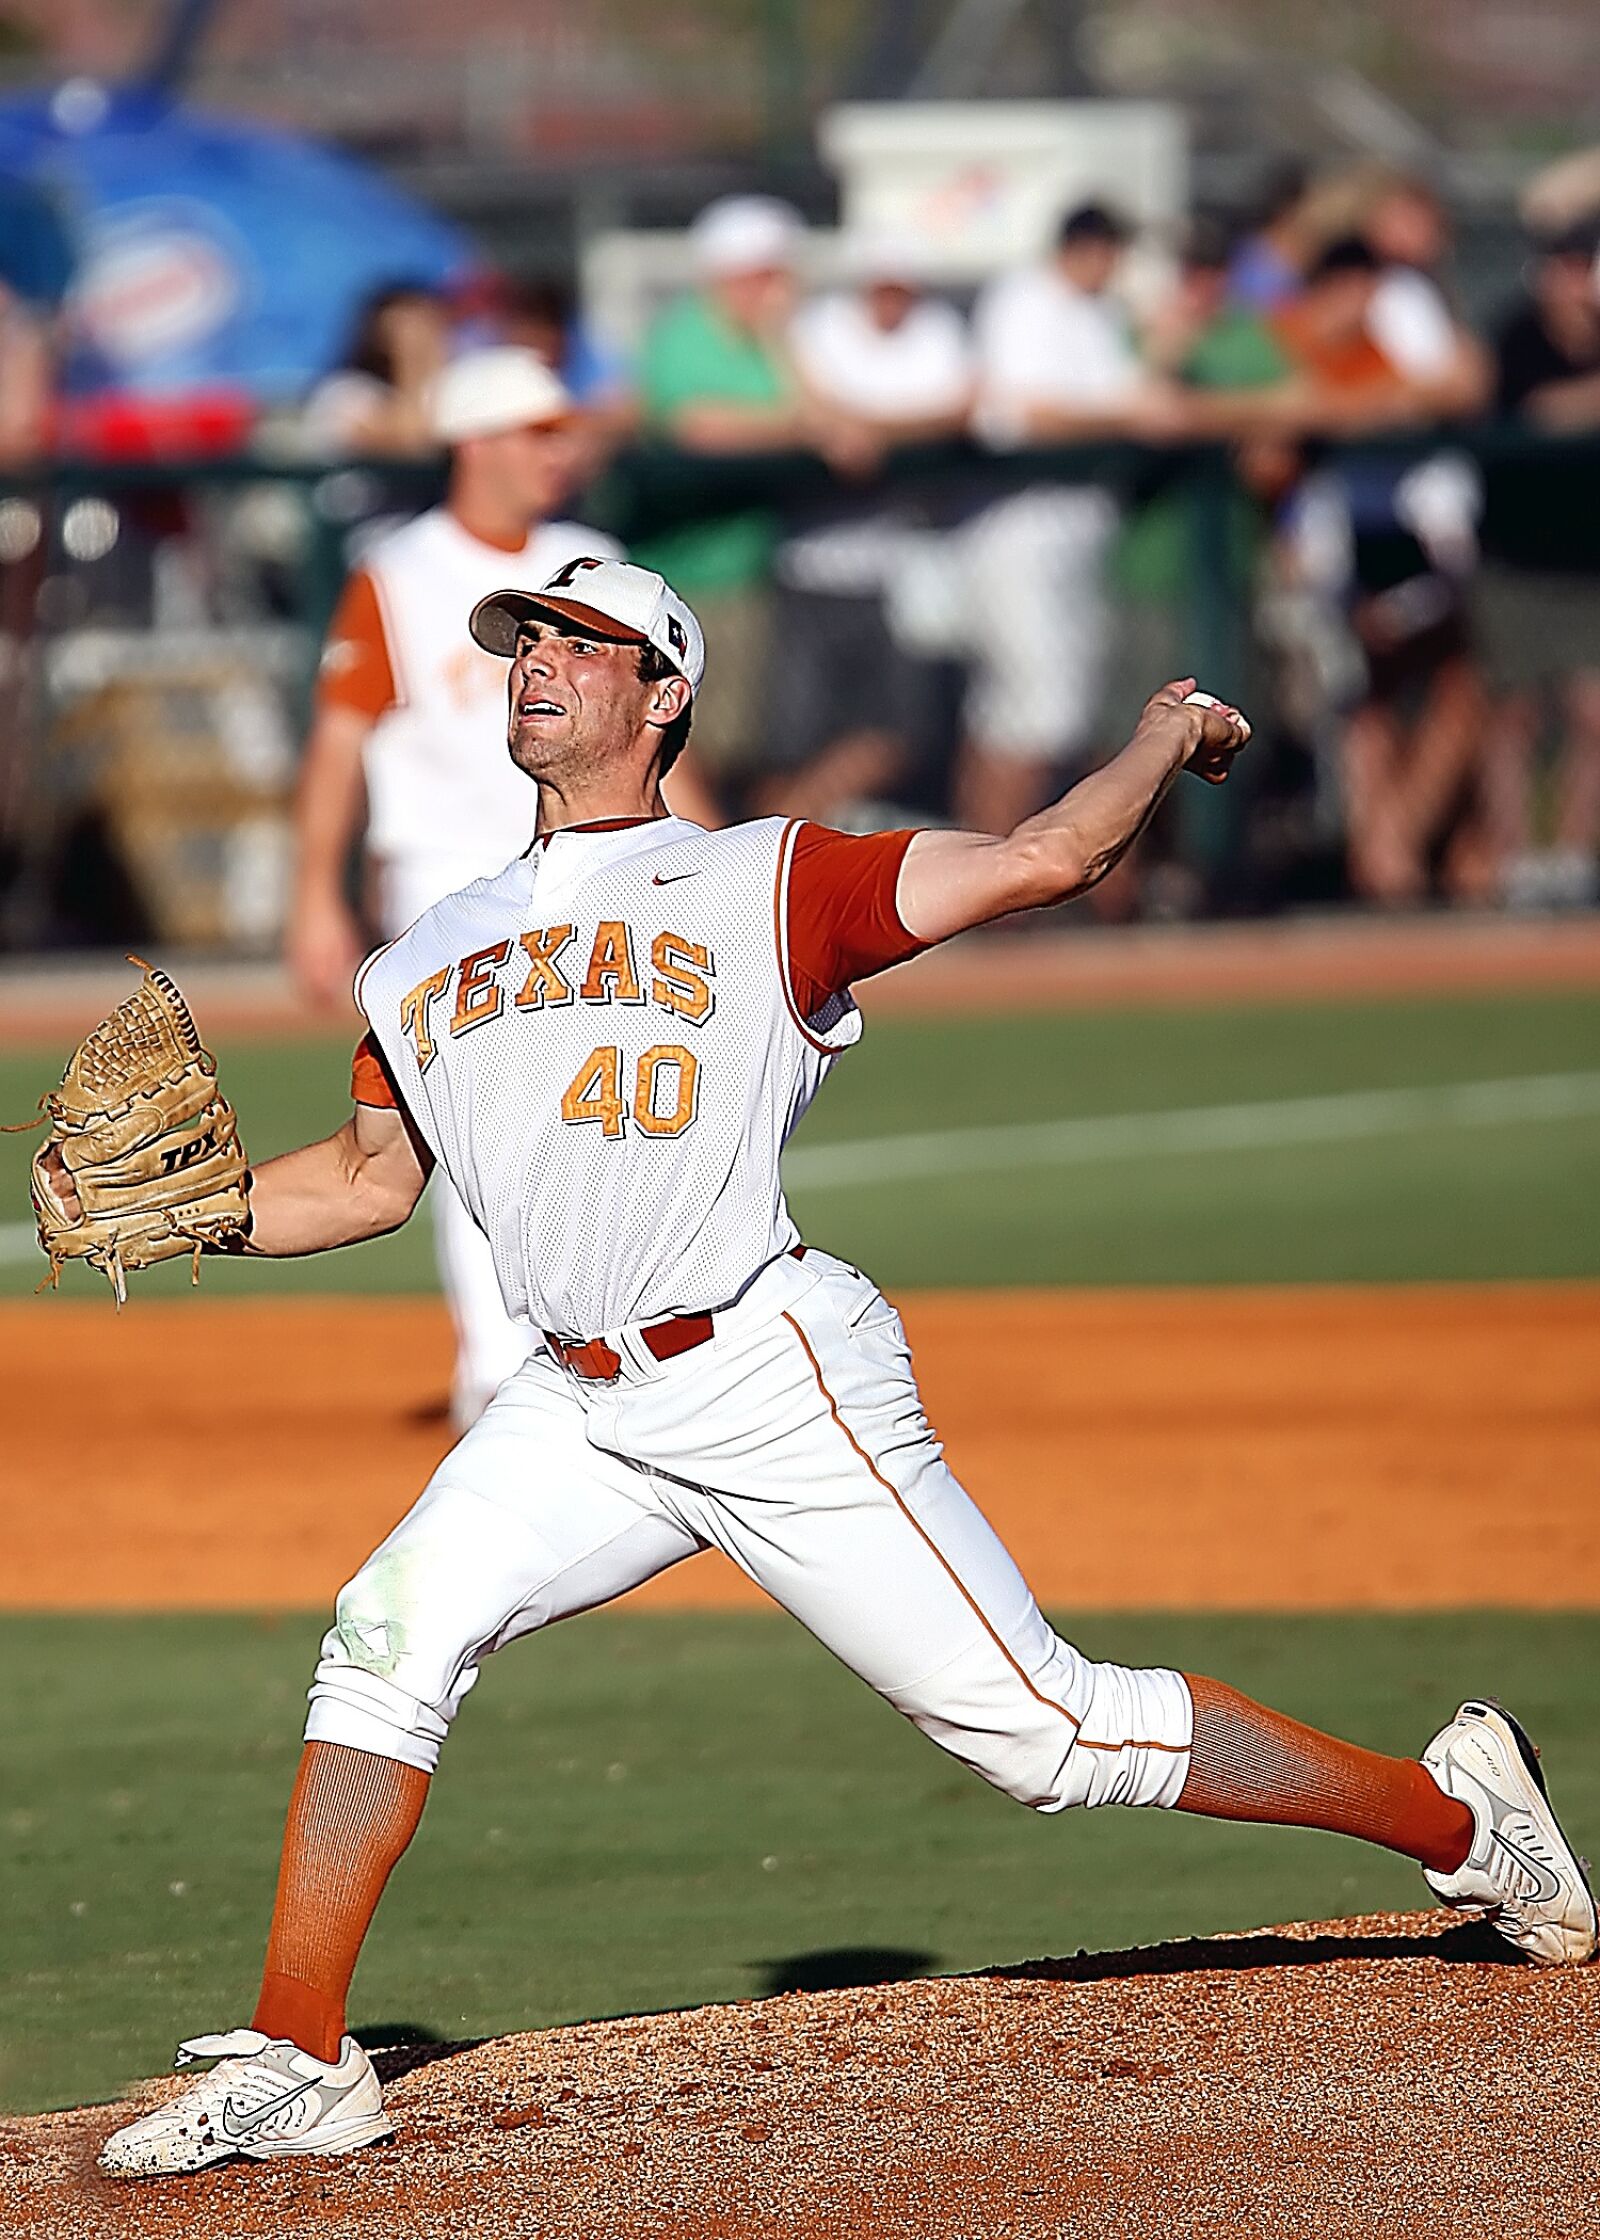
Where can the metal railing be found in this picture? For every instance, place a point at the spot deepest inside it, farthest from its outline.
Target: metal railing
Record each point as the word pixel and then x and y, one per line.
pixel 160 626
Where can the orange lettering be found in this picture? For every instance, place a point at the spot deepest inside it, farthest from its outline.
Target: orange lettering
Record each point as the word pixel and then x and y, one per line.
pixel 544 982
pixel 478 992
pixel 686 970
pixel 414 1014
pixel 595 1092
pixel 685 1069
pixel 611 959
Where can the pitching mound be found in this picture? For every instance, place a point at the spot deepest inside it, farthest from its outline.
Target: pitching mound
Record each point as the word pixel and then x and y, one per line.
pixel 1393 2075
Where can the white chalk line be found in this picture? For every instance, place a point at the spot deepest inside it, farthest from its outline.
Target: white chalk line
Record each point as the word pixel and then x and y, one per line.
pixel 1139 1135
pixel 1201 1128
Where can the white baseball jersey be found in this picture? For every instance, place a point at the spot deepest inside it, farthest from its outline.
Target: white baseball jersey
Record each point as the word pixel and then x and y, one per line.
pixel 603 1049
pixel 440 784
pixel 606 1045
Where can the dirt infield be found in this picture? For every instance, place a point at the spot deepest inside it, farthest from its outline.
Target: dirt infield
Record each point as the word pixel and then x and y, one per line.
pixel 1339 1448
pixel 1392 2075
pixel 1275 960
pixel 1040 968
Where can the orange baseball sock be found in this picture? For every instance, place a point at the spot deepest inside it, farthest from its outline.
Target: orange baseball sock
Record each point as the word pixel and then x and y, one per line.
pixel 1248 1763
pixel 350 1817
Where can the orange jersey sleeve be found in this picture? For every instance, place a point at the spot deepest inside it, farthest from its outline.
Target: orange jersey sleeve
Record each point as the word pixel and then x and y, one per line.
pixel 369 1077
pixel 843 923
pixel 356 671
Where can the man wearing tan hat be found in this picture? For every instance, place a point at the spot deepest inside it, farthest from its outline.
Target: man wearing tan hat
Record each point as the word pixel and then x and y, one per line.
pixel 409 722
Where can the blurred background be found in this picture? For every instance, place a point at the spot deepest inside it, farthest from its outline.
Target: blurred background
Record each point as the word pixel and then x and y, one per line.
pixel 975 364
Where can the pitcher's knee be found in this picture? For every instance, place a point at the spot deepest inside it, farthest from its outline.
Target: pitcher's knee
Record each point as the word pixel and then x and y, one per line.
pixel 1082 1734
pixel 1132 1743
pixel 372 1689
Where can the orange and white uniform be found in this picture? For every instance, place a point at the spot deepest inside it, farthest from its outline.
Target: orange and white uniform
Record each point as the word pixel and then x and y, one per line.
pixel 445 803
pixel 611 1047
pixel 607 1045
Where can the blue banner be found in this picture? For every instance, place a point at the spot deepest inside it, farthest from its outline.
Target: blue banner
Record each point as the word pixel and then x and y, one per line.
pixel 208 251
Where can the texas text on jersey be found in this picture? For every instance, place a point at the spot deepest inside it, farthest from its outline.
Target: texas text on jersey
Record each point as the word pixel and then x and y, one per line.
pixel 646 1009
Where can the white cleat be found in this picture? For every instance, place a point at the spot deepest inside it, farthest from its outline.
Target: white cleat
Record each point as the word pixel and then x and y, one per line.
pixel 264 2097
pixel 1521 1871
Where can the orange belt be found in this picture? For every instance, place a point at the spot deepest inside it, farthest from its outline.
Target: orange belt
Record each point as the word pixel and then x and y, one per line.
pixel 594 1359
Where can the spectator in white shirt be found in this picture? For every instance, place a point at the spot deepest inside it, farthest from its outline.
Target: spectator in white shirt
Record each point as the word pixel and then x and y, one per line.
pixel 1410 320
pixel 885 350
pixel 1056 363
pixel 895 363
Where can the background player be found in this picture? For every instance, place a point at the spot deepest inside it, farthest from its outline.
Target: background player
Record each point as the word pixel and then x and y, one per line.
pixel 407 723
pixel 606 1046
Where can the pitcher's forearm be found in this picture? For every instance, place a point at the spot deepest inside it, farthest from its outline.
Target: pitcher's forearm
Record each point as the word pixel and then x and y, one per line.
pixel 952 880
pixel 1079 838
pixel 320 1197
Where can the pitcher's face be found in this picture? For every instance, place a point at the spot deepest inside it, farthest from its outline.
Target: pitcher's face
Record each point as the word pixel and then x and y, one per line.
pixel 574 700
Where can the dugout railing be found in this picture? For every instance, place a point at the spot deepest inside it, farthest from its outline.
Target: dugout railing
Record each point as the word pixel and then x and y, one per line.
pixel 160 626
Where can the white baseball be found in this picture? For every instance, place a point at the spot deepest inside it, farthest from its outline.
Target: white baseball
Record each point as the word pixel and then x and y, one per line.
pixel 1205 700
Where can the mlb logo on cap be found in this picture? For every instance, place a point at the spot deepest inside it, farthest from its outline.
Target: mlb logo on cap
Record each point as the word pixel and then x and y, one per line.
pixel 612 599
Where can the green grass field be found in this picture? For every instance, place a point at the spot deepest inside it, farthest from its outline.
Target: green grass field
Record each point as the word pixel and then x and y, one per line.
pixel 643 1812
pixel 639 1812
pixel 1520 1197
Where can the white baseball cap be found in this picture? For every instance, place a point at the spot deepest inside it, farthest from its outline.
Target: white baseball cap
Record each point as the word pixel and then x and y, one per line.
pixel 745 233
pixel 612 598
pixel 488 392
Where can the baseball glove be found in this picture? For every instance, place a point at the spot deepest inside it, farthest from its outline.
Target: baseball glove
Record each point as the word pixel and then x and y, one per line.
pixel 147 1142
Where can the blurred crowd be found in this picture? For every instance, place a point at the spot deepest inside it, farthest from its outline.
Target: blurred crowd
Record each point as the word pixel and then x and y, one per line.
pixel 957 617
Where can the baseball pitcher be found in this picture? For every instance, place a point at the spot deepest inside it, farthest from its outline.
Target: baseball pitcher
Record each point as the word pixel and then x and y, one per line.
pixel 605 1046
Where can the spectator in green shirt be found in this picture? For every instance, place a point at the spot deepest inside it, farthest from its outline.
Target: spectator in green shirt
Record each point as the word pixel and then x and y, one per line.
pixel 1205 342
pixel 715 377
pixel 1232 369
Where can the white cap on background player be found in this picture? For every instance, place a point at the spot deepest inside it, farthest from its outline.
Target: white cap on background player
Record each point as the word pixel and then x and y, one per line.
pixel 490 392
pixel 612 598
pixel 745 233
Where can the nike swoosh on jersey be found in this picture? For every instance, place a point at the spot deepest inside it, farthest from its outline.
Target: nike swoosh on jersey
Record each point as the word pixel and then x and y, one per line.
pixel 671 877
pixel 239 2125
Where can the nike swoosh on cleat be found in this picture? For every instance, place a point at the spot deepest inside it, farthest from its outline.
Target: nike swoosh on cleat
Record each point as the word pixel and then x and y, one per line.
pixel 667 880
pixel 239 2125
pixel 1548 1884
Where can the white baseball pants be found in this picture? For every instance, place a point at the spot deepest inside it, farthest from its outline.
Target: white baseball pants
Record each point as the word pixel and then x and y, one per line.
pixel 794 1440
pixel 489 1346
